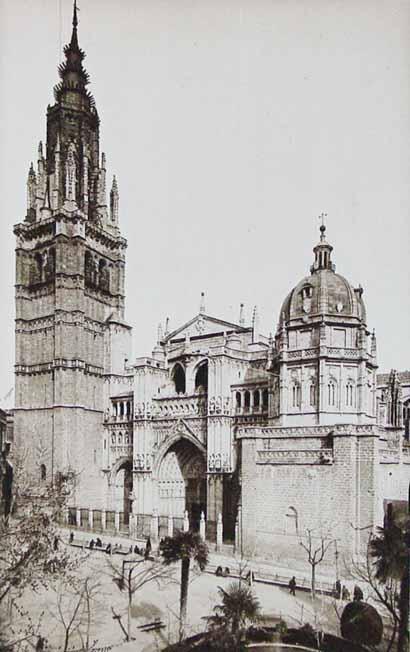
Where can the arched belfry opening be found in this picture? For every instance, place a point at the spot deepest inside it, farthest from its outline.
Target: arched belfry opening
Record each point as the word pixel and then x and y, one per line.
pixel 201 378
pixel 123 486
pixel 178 378
pixel 182 482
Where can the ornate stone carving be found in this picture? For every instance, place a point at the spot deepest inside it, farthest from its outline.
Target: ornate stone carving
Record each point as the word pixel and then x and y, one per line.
pixel 142 461
pixel 218 462
pixel 321 456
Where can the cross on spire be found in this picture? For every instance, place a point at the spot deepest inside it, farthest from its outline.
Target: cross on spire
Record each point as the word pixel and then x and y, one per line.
pixel 322 217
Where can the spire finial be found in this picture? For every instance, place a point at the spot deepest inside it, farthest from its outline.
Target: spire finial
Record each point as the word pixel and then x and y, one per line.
pixel 202 304
pixel 241 314
pixel 322 217
pixel 75 19
pixel 255 325
pixel 74 38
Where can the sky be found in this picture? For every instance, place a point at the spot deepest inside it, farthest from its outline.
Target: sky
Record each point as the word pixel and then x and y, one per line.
pixel 230 126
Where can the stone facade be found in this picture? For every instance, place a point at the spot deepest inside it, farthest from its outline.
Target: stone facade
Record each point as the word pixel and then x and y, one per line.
pixel 261 436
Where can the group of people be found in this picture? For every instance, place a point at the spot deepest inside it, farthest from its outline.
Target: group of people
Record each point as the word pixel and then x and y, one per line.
pixel 339 591
pixel 222 572
pixel 116 547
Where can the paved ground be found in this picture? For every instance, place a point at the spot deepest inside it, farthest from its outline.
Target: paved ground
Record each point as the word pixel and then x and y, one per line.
pixel 161 601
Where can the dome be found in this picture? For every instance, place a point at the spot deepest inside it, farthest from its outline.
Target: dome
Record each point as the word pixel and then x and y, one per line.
pixel 323 292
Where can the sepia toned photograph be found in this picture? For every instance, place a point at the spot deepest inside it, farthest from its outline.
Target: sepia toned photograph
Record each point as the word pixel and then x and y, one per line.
pixel 205 379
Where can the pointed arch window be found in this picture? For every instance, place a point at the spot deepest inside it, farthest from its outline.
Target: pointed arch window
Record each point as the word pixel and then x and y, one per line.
pixel 178 377
pixel 292 521
pixel 71 172
pixel 201 378
pixel 256 398
pixel 350 393
pixel 332 392
pixel 312 393
pixel 406 417
pixel 296 395
pixel 265 399
pixel 43 472
pixel 103 275
pixel 238 400
pixel 247 400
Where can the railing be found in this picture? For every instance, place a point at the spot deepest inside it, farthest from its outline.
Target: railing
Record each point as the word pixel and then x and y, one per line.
pixel 166 407
pixel 334 351
pixel 125 418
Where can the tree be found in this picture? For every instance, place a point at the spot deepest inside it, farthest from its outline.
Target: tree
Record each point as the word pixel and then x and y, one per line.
pixel 390 552
pixel 31 553
pixel 316 548
pixel 361 623
pixel 75 610
pixel 29 542
pixel 184 547
pixel 239 608
pixel 130 577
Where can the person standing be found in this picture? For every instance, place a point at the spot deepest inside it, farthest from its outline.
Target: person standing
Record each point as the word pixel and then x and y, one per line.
pixel 292 586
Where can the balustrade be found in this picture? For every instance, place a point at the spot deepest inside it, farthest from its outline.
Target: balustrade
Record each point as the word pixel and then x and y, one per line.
pixel 167 407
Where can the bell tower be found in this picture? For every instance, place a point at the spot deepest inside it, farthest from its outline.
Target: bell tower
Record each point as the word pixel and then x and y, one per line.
pixel 70 265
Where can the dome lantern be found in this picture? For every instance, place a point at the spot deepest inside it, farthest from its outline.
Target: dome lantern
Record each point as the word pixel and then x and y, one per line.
pixel 322 251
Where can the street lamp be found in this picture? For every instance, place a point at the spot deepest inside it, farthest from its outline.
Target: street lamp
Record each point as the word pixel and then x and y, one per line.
pixel 135 563
pixel 336 560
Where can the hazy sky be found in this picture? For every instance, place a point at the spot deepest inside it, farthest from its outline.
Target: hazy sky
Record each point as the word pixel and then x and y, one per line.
pixel 230 126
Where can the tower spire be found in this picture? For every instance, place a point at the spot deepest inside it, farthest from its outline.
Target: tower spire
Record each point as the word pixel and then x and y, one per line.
pixel 74 36
pixel 74 78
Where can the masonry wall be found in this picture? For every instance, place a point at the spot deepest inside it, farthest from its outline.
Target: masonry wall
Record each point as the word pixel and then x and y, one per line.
pixel 283 498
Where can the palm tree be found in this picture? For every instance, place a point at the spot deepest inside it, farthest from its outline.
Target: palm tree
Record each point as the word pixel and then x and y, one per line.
pixel 391 559
pixel 184 547
pixel 239 607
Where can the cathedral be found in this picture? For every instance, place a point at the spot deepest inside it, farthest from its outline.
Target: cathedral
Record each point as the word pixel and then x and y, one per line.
pixel 250 439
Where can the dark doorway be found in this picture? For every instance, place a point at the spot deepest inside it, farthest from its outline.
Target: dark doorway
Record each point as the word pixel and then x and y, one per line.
pixel 201 378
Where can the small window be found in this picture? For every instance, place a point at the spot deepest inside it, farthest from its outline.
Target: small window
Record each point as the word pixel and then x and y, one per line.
pixel 292 523
pixel 350 393
pixel 265 399
pixel 296 395
pixel 43 473
pixel 331 393
pixel 247 400
pixel 312 394
pixel 256 398
pixel 307 292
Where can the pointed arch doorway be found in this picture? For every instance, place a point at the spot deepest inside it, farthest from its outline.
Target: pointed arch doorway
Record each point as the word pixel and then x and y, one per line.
pixel 122 489
pixel 182 482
